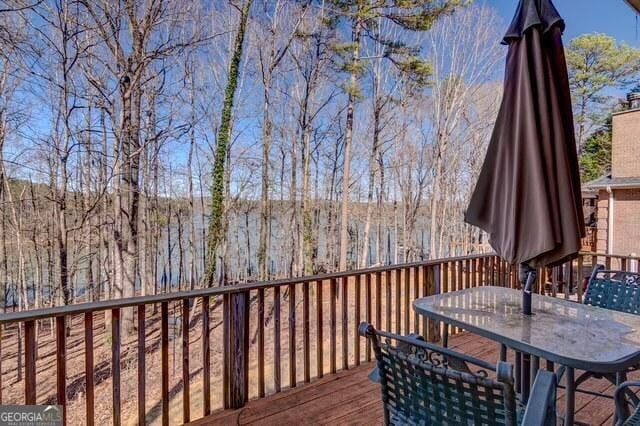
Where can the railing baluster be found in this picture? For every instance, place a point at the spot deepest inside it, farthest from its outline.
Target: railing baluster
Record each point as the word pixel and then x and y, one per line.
pixel 261 386
pixel 455 286
pixel 407 295
pixel 292 335
pixel 492 271
pixel 471 273
pixel 378 300
pixel 186 401
pixel 356 318
pixel 475 268
pixel 433 277
pixel 580 278
pixel 487 271
pixel 445 277
pixel 277 370
pixel 29 362
pixel 465 272
pixel 115 364
pixel 425 292
pixel 225 350
pixel 319 329
pixel 61 365
pixel 568 277
pixel 368 313
pixel 141 366
pixel 164 347
pixel 332 329
pixel 1 327
pixel 345 323
pixel 88 367
pixel 388 301
pixel 305 332
pixel 206 359
pixel 398 284
pixel 416 295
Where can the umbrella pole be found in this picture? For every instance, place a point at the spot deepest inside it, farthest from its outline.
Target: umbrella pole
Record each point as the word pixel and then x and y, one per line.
pixel 527 278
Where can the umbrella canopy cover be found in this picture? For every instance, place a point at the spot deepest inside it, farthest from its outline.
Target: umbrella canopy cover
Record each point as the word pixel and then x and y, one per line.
pixel 528 196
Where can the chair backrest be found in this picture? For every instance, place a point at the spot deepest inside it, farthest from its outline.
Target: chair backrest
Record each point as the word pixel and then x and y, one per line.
pixel 616 290
pixel 421 385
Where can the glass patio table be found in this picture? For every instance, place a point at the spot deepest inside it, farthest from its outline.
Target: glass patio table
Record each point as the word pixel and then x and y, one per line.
pixel 571 334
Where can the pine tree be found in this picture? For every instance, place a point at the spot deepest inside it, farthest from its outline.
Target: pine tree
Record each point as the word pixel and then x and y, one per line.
pixel 363 17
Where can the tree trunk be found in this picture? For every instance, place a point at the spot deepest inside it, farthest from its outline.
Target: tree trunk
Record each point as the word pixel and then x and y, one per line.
pixel 346 177
pixel 216 230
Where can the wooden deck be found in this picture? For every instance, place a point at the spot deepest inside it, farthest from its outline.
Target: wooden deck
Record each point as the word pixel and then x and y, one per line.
pixel 349 398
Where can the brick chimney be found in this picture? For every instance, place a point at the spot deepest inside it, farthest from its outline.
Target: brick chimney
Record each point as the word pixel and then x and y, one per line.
pixel 626 139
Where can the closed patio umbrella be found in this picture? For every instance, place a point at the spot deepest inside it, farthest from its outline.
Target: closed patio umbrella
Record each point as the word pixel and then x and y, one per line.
pixel 528 196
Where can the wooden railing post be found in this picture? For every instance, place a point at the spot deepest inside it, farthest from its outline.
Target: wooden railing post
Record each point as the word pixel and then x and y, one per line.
pixel 30 362
pixel 238 358
pixel 432 328
pixel 61 365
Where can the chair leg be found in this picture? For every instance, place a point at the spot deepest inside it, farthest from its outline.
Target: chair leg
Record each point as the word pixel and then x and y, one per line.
pixel 503 353
pixel 570 397
pixel 445 336
pixel 535 366
pixel 518 374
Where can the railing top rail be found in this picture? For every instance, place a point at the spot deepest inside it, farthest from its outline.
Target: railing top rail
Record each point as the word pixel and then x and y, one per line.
pixel 80 308
pixel 613 256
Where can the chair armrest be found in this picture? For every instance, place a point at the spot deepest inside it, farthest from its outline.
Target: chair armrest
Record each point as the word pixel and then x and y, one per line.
pixel 541 408
pixel 622 408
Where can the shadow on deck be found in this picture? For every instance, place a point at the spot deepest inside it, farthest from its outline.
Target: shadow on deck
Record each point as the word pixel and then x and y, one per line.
pixel 349 398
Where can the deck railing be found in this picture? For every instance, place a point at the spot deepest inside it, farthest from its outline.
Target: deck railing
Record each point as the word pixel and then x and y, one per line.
pixel 251 340
pixel 590 240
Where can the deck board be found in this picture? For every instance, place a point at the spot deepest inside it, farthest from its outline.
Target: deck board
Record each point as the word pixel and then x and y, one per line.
pixel 349 398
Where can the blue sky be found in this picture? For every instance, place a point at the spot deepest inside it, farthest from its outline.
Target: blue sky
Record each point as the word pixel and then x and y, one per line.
pixel 613 17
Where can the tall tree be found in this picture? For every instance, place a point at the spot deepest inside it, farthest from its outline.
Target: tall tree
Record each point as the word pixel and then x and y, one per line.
pixel 279 36
pixel 362 17
pixel 135 36
pixel 217 226
pixel 465 56
pixel 597 62
pixel 596 153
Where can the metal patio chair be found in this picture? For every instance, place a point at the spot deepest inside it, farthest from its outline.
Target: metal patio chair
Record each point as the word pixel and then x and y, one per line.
pixel 420 386
pixel 627 407
pixel 618 291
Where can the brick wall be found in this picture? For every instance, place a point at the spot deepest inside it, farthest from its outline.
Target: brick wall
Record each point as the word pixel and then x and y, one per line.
pixel 626 144
pixel 626 221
